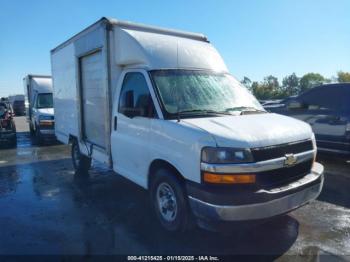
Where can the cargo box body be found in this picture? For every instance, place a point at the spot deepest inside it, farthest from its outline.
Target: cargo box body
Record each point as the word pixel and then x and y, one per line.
pixel 86 70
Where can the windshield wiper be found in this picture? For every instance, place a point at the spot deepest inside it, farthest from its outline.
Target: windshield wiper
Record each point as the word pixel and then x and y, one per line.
pixel 244 109
pixel 200 111
pixel 205 111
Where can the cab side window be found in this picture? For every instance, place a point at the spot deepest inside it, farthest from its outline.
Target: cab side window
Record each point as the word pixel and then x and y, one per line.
pixel 135 98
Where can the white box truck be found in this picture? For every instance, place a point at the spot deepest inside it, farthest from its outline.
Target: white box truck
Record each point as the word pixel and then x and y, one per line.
pixel 160 107
pixel 39 106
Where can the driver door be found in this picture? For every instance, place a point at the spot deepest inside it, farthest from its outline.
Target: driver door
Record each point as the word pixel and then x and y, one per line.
pixel 133 115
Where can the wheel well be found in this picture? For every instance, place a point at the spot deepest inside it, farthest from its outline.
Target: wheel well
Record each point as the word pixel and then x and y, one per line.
pixel 159 163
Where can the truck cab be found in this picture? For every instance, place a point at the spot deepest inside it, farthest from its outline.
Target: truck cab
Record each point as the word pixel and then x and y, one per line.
pixel 160 107
pixel 241 162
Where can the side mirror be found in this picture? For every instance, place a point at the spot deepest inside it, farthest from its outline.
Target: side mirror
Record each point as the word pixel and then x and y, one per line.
pixel 294 105
pixel 145 103
pixel 313 107
pixel 129 110
pixel 129 99
pixel 140 108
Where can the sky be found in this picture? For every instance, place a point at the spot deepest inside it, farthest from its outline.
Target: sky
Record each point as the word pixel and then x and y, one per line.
pixel 256 38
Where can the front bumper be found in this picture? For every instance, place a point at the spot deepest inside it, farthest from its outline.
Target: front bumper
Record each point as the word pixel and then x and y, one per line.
pixel 47 132
pixel 47 128
pixel 264 203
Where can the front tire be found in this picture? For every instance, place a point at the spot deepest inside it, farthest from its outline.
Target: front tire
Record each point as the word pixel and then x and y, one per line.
pixel 38 137
pixel 81 163
pixel 31 130
pixel 169 201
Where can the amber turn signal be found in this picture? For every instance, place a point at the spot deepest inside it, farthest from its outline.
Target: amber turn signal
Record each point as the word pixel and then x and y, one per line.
pixel 228 178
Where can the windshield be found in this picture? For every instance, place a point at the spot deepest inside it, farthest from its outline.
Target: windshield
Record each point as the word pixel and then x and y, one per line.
pixel 200 91
pixel 44 101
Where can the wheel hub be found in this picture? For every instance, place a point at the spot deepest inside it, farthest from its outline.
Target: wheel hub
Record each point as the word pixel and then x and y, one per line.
pixel 167 204
pixel 76 155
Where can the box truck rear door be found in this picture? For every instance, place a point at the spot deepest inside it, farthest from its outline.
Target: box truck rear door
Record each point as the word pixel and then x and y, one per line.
pixel 94 107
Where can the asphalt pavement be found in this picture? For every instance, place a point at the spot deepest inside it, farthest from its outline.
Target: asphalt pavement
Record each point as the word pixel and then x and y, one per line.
pixel 46 209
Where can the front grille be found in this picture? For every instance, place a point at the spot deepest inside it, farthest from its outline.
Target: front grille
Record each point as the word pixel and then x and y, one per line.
pixel 284 175
pixel 276 151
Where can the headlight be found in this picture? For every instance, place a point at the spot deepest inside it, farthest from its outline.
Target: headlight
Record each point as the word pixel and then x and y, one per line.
pixel 313 139
pixel 45 118
pixel 225 155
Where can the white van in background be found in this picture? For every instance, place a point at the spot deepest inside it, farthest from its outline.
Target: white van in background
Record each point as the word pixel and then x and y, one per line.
pixel 160 107
pixel 39 106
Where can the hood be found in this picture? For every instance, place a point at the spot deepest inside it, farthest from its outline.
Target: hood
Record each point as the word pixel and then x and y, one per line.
pixel 46 111
pixel 258 130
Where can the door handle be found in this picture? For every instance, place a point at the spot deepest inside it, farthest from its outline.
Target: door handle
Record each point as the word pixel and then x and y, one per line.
pixel 115 123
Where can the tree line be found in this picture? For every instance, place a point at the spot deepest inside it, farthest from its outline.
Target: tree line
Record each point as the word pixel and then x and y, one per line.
pixel 271 88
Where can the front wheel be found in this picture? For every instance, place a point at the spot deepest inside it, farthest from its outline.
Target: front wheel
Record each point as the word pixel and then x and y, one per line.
pixel 81 162
pixel 31 130
pixel 38 137
pixel 169 201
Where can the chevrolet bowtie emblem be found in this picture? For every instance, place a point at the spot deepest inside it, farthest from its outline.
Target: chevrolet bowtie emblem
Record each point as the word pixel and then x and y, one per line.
pixel 290 160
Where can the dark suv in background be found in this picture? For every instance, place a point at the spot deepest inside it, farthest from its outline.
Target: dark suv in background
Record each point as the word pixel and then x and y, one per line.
pixel 327 109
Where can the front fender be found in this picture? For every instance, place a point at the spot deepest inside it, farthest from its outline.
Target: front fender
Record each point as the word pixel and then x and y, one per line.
pixel 180 145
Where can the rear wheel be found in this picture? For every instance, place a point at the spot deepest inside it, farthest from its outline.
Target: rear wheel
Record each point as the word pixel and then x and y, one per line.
pixel 169 201
pixel 81 162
